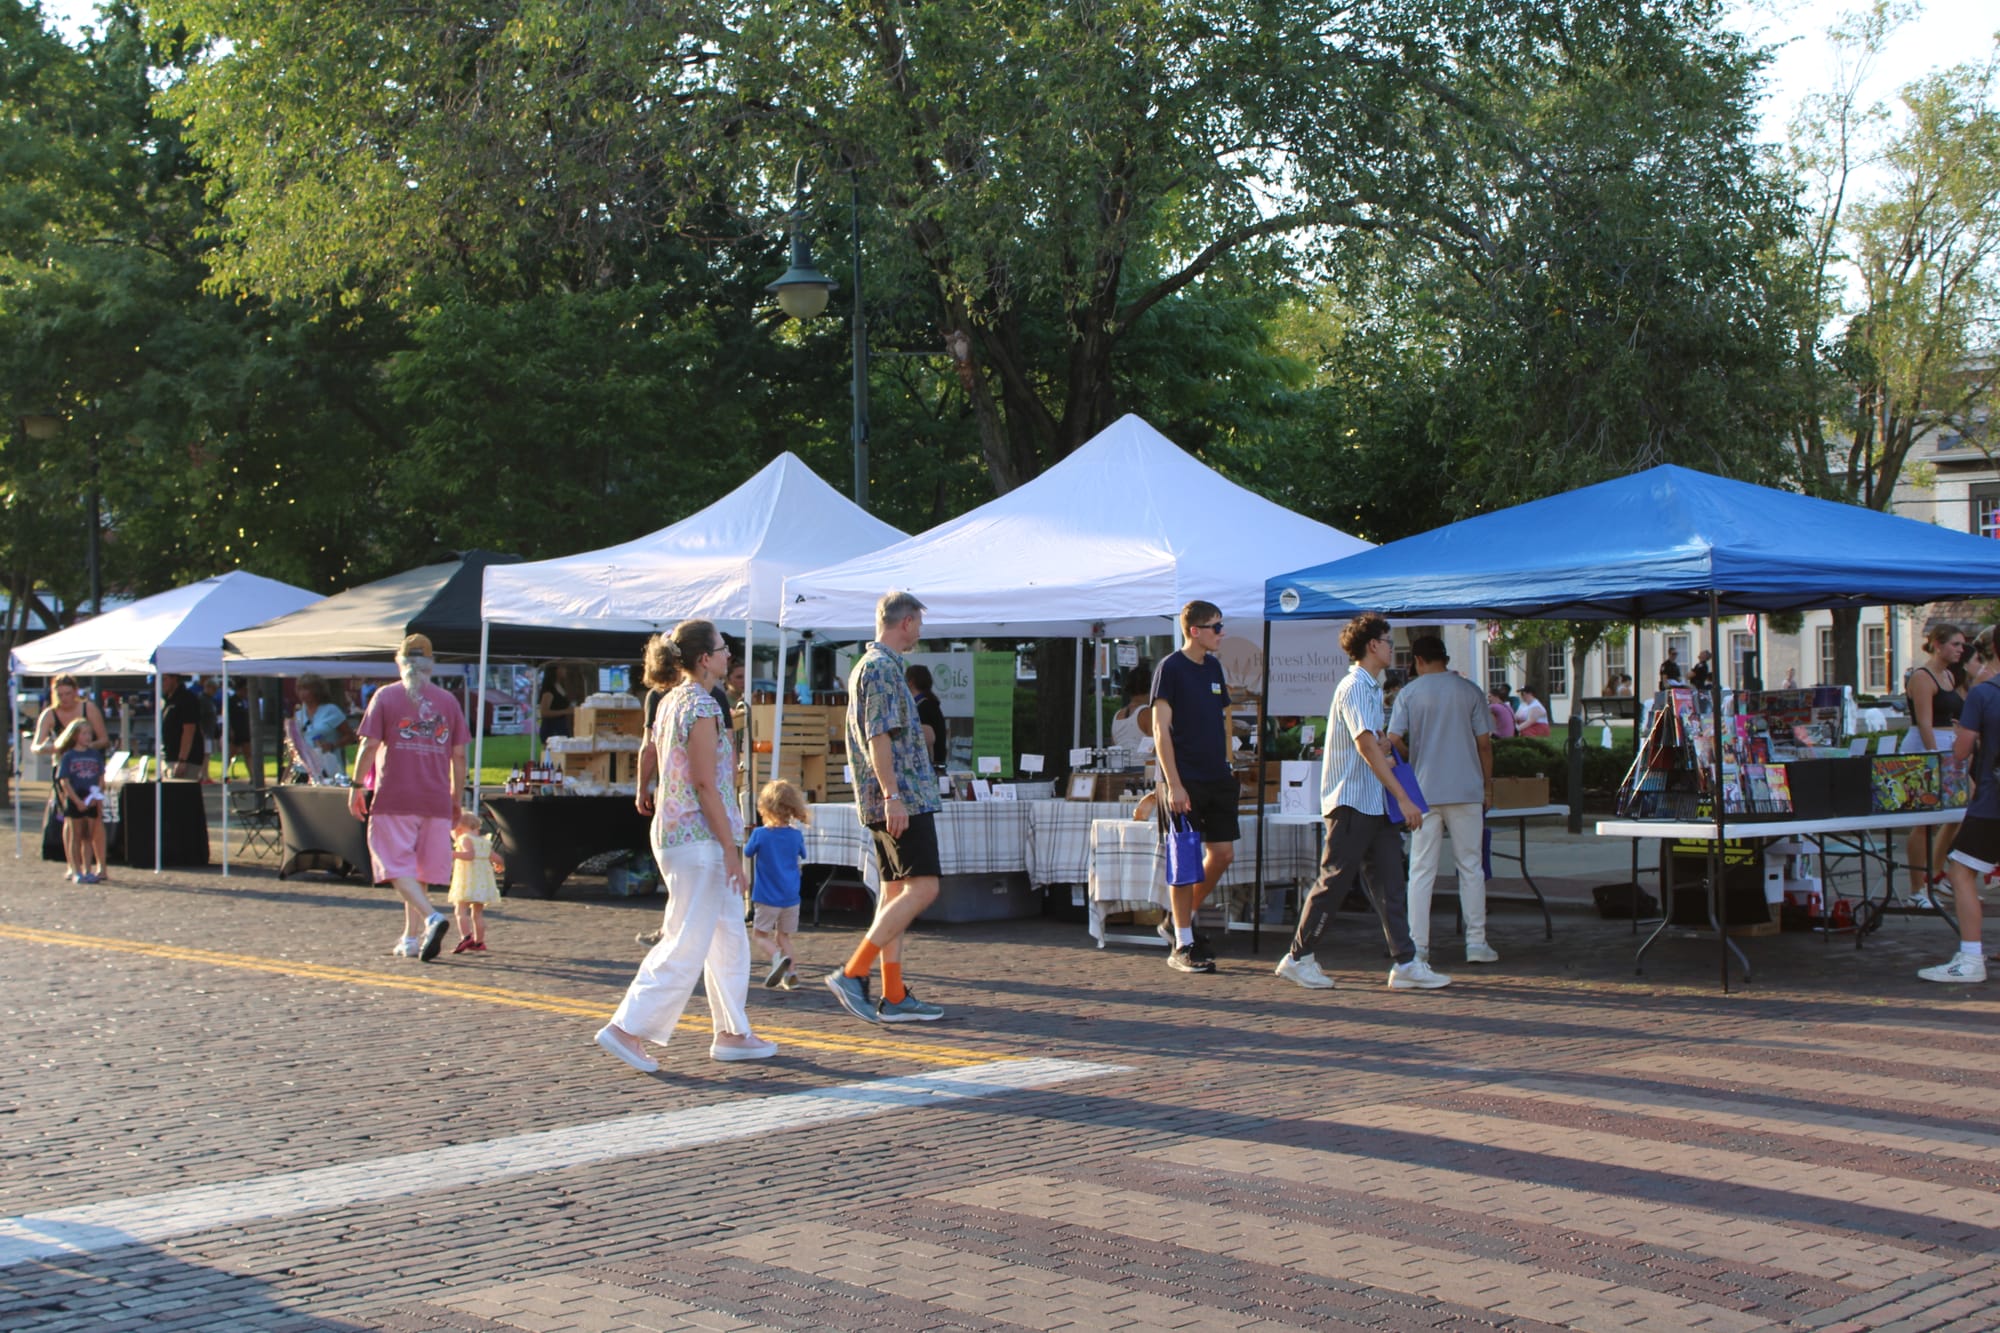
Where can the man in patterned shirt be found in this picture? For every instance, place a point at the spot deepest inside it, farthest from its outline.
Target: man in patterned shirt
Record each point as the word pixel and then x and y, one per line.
pixel 896 790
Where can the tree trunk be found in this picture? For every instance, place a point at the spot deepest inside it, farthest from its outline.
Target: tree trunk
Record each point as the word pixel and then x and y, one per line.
pixel 1846 646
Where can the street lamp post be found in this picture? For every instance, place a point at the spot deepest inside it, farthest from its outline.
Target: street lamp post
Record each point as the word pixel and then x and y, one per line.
pixel 802 293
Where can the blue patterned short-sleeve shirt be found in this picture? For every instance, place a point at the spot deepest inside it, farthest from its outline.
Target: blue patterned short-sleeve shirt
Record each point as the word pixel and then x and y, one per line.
pixel 879 703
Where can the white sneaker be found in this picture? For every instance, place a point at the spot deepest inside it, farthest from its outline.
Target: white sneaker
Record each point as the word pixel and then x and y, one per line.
pixel 1416 975
pixel 1963 967
pixel 407 947
pixel 1304 972
pixel 1423 953
pixel 1477 951
pixel 1921 901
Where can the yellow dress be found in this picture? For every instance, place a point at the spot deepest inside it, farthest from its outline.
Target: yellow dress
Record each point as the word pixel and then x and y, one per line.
pixel 472 881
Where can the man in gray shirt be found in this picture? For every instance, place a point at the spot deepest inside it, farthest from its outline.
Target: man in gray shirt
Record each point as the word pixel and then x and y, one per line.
pixel 1442 722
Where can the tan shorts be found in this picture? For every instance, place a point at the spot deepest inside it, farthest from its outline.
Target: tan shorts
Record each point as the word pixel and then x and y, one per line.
pixel 776 920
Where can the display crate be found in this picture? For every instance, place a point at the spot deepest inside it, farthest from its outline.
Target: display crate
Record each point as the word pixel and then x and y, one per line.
pixel 609 722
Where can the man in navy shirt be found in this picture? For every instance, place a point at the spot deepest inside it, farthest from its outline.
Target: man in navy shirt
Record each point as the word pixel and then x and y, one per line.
pixel 1976 849
pixel 1191 730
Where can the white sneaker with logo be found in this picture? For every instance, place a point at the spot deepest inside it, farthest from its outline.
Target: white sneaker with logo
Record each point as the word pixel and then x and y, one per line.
pixel 1416 975
pixel 1963 967
pixel 1304 972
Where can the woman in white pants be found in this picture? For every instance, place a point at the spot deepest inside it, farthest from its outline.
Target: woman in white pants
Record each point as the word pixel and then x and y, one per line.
pixel 696 829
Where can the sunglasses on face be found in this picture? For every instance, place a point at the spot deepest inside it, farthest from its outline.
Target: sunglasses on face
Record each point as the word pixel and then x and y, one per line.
pixel 1217 627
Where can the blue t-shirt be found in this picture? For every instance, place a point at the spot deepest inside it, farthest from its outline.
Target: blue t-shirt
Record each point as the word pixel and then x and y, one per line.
pixel 83 770
pixel 778 853
pixel 1982 714
pixel 1197 696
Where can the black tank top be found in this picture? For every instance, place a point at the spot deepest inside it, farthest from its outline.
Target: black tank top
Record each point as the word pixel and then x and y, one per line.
pixel 1946 704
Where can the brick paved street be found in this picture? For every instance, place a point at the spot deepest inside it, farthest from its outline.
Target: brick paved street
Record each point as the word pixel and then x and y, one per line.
pixel 1551 1143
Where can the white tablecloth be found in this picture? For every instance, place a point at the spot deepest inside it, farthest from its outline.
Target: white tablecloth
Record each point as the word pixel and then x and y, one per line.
pixel 974 838
pixel 1059 838
pixel 1128 870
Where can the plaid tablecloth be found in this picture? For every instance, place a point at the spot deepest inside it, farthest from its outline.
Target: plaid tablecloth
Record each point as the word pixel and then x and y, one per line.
pixel 1128 869
pixel 974 838
pixel 1059 838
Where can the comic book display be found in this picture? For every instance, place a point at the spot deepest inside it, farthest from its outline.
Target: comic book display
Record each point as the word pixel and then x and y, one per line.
pixel 1674 770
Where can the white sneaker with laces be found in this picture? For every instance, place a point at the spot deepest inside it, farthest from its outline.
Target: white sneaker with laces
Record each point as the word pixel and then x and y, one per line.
pixel 1423 953
pixel 1416 975
pixel 1478 951
pixel 1963 967
pixel 1921 901
pixel 1304 972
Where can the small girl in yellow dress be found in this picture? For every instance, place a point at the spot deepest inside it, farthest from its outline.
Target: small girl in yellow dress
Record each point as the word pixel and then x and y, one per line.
pixel 474 883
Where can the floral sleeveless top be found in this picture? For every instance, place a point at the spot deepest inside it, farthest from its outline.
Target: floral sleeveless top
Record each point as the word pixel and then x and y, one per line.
pixel 677 817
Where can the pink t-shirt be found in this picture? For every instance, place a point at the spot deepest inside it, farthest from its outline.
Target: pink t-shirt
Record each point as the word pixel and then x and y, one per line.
pixel 413 767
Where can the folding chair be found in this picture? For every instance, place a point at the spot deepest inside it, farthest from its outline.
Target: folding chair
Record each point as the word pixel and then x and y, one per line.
pixel 256 811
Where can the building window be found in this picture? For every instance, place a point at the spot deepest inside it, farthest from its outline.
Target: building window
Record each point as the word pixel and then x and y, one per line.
pixel 1617 661
pixel 1742 648
pixel 1877 671
pixel 1496 672
pixel 1558 669
pixel 1825 657
pixel 1986 510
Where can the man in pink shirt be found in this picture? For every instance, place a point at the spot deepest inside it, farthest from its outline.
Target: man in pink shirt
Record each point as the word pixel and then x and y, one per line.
pixel 413 743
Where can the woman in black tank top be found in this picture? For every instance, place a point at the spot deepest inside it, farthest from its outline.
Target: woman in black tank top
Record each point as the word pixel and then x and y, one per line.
pixel 1935 704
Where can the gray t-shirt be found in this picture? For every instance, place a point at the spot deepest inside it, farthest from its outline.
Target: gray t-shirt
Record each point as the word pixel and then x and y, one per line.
pixel 1441 718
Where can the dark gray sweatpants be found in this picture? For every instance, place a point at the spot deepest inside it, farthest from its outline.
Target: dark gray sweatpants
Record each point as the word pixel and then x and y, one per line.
pixel 1368 848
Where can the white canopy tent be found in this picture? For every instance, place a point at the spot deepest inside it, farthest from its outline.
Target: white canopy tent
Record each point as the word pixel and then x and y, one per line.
pixel 1122 534
pixel 727 563
pixel 177 632
pixel 1113 540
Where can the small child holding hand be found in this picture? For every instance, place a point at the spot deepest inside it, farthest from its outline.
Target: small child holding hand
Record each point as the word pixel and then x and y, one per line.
pixel 776 850
pixel 474 870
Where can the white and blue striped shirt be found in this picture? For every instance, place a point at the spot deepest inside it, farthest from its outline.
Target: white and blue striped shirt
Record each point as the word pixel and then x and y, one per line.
pixel 1344 776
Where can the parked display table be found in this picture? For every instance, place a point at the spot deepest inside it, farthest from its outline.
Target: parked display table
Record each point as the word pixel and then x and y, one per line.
pixel 183 821
pixel 314 821
pixel 1128 870
pixel 544 838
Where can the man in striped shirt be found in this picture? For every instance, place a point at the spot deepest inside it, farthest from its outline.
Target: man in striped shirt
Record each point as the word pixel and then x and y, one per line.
pixel 1356 784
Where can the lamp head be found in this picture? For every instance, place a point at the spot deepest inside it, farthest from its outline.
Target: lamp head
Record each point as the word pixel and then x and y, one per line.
pixel 803 290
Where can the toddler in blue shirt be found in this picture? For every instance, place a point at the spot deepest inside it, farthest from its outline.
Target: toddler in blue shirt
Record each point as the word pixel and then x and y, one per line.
pixel 776 850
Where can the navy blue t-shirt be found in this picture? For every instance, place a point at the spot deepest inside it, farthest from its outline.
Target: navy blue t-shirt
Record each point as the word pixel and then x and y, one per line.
pixel 83 769
pixel 777 852
pixel 1197 696
pixel 1982 714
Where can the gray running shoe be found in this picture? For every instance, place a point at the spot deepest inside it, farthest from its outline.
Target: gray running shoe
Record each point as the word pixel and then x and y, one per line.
pixel 909 1009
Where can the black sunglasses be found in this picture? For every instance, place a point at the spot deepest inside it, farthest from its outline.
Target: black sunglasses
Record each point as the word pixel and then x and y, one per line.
pixel 1217 626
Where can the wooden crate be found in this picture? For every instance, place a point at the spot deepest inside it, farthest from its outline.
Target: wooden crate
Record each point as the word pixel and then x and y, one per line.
pixel 806 727
pixel 610 722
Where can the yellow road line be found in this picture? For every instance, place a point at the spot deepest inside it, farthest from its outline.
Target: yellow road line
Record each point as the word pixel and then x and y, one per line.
pixel 932 1053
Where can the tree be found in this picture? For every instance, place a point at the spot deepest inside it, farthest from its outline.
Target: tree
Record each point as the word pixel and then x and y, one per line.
pixel 1895 289
pixel 1042 180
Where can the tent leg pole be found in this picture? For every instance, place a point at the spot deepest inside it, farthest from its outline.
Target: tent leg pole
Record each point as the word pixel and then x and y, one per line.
pixel 225 768
pixel 159 767
pixel 777 721
pixel 1096 647
pixel 479 720
pixel 1718 858
pixel 14 714
pixel 1263 828
pixel 746 800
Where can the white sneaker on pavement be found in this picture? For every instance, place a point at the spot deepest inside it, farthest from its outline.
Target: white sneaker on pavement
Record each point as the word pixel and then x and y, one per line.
pixel 1304 972
pixel 1478 951
pixel 1423 953
pixel 1416 975
pixel 1963 967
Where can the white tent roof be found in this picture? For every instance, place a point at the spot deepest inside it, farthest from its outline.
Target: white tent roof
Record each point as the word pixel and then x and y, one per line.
pixel 179 631
pixel 728 562
pixel 1125 531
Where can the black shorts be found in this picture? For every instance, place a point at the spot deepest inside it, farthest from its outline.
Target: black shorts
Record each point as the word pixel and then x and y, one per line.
pixel 1212 809
pixel 912 856
pixel 71 810
pixel 1977 844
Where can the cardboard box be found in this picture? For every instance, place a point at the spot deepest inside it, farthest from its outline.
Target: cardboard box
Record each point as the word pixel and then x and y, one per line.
pixel 1520 793
pixel 610 722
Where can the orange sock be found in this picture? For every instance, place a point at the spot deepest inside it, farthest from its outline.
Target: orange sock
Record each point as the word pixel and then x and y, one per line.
pixel 892 982
pixel 863 960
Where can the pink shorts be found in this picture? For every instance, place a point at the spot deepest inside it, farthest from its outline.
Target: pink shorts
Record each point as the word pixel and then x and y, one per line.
pixel 414 847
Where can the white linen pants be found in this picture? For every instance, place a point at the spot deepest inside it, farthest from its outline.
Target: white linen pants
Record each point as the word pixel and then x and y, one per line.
pixel 1466 823
pixel 703 937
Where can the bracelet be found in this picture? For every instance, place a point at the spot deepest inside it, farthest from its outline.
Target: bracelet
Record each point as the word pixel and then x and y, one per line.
pixel 897 799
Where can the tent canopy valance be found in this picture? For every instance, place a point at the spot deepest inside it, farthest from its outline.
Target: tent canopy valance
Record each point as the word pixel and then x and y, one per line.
pixel 178 631
pixel 369 623
pixel 726 563
pixel 1123 533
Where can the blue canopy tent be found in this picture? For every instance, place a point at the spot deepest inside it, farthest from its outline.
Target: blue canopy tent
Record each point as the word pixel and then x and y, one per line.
pixel 1666 544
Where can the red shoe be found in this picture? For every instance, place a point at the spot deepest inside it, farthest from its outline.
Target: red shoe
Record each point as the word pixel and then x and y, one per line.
pixel 465 945
pixel 479 946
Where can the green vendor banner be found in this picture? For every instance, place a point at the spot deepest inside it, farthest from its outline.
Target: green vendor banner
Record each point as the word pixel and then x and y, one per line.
pixel 993 710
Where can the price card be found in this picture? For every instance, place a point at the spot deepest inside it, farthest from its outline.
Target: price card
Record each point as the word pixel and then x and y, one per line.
pixel 1079 758
pixel 1308 734
pixel 981 790
pixel 1031 763
pixel 1886 743
pixel 1294 796
pixel 989 763
pixel 1859 745
pixel 1002 791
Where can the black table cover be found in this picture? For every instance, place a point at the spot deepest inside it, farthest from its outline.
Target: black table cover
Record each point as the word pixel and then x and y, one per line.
pixel 544 838
pixel 315 820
